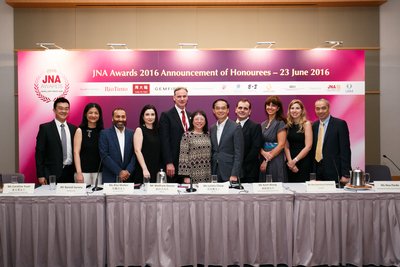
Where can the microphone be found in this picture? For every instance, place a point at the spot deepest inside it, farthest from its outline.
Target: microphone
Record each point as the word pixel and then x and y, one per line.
pixel 96 187
pixel 191 189
pixel 386 157
pixel 337 172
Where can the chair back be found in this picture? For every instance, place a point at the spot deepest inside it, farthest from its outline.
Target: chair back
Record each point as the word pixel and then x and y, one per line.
pixel 378 172
pixel 6 177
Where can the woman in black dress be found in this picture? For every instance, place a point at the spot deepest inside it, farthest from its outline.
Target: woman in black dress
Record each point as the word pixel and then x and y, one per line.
pixel 86 145
pixel 299 143
pixel 146 143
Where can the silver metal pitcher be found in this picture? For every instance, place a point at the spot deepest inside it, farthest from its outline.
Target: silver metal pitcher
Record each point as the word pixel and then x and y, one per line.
pixel 358 177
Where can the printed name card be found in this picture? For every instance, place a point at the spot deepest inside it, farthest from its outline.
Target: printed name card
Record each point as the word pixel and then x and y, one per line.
pixel 162 188
pixel 119 188
pixel 262 188
pixel 71 189
pixel 320 186
pixel 213 188
pixel 387 186
pixel 27 188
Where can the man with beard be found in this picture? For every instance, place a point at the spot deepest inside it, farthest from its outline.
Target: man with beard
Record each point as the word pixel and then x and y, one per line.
pixel 116 149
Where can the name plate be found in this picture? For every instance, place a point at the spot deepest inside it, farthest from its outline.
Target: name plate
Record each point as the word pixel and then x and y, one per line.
pixel 320 186
pixel 213 188
pixel 162 188
pixel 119 188
pixel 262 188
pixel 71 189
pixel 387 186
pixel 27 188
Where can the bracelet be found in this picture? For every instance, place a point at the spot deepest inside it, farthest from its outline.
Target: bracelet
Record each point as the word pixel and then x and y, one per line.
pixel 295 159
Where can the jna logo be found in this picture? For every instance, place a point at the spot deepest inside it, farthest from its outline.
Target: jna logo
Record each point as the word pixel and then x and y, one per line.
pixel 51 85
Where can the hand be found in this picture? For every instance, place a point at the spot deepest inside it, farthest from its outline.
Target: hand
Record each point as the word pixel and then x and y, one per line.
pixel 344 180
pixel 79 177
pixel 42 180
pixel 170 170
pixel 263 166
pixel 294 169
pixel 291 164
pixel 124 175
pixel 146 173
pixel 233 178
pixel 186 180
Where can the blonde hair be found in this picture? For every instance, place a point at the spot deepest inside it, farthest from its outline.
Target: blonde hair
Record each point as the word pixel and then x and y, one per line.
pixel 303 115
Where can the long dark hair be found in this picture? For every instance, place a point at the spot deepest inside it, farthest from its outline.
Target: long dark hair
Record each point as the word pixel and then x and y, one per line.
pixel 202 113
pixel 274 99
pixel 147 107
pixel 99 124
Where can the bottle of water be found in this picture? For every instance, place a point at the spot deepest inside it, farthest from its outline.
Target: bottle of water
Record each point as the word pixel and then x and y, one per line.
pixel 161 177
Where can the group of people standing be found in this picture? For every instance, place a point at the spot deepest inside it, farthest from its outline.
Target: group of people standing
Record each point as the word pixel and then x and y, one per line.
pixel 287 147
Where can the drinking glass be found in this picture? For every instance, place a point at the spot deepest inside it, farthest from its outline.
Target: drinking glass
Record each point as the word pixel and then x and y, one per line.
pixel 14 179
pixel 52 182
pixel 214 178
pixel 146 182
pixel 313 176
pixel 268 178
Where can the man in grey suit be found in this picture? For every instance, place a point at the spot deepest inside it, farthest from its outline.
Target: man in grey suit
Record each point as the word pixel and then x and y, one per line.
pixel 227 144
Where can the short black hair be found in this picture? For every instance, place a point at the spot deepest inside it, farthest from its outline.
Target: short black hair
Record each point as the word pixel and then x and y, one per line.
pixel 60 100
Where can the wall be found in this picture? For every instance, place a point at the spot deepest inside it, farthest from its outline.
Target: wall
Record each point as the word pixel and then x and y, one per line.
pixel 212 28
pixel 8 110
pixel 390 82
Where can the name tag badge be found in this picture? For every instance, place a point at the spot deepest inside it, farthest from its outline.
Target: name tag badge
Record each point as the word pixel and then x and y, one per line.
pixel 213 188
pixel 162 188
pixel 320 186
pixel 263 188
pixel 22 189
pixel 71 189
pixel 393 186
pixel 119 188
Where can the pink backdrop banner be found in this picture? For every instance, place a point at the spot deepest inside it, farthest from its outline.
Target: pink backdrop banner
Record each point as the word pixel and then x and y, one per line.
pixel 131 79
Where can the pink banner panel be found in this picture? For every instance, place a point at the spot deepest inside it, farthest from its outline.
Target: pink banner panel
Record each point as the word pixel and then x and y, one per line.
pixel 131 79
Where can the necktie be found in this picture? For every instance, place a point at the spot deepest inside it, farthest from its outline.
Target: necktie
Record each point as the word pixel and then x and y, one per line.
pixel 318 150
pixel 64 142
pixel 184 120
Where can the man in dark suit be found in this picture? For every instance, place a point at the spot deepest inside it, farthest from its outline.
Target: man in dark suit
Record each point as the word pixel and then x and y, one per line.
pixel 116 149
pixel 226 144
pixel 331 145
pixel 252 142
pixel 173 123
pixel 54 148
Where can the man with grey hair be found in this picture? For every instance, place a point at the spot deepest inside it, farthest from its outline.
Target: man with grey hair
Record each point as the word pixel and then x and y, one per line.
pixel 331 145
pixel 173 123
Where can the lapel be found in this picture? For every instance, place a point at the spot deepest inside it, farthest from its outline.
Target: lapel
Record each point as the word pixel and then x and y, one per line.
pixel 227 127
pixel 127 144
pixel 176 117
pixel 329 129
pixel 213 134
pixel 116 143
pixel 54 132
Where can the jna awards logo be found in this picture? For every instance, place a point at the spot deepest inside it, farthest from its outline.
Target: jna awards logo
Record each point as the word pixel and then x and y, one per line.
pixel 51 85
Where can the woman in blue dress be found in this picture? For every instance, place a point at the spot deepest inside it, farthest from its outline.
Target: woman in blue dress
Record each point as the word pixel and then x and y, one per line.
pixel 274 138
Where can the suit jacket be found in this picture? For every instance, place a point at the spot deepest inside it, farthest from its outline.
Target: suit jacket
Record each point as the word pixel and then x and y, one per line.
pixel 336 153
pixel 227 157
pixel 171 131
pixel 252 143
pixel 48 153
pixel 110 154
